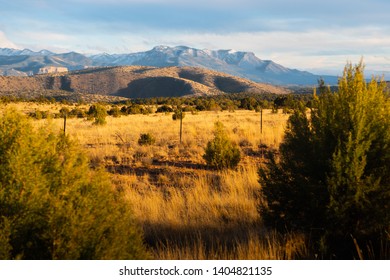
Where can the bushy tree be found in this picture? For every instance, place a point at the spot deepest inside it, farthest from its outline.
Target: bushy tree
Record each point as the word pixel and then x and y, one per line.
pixel 332 179
pixel 178 115
pixel 77 112
pixel 221 152
pixel 115 112
pixel 64 112
pixel 52 205
pixel 99 113
pixel 164 109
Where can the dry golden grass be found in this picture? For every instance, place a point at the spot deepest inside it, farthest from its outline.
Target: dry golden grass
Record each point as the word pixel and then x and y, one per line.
pixel 203 197
pixel 186 210
pixel 119 137
pixel 267 246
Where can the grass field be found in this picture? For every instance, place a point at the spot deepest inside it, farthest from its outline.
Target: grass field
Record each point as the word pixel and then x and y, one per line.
pixel 188 211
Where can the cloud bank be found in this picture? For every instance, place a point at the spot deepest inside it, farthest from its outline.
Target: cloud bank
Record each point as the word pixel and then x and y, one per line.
pixel 320 36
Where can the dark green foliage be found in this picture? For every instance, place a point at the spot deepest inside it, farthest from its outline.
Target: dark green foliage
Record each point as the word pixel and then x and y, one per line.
pixel 164 109
pixel 292 186
pixel 115 112
pixel 52 205
pixel 178 114
pixel 78 113
pixel 5 234
pixel 221 152
pixel 248 103
pixel 146 139
pixel 188 109
pixel 280 101
pixel 74 113
pixel 332 179
pixel 39 115
pixel 64 112
pixel 134 109
pixel 200 107
pixel 99 113
pixel 213 105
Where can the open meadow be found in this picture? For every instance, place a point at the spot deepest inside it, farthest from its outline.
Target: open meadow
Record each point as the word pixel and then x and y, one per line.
pixel 186 209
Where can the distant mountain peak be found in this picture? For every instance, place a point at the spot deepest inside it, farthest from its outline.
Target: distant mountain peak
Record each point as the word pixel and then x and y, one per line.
pixel 45 52
pixel 237 63
pixel 160 48
pixel 13 52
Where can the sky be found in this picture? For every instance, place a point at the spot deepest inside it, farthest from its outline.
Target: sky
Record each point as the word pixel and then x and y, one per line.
pixel 312 35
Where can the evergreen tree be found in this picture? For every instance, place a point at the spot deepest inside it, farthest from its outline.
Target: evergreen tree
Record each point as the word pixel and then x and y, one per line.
pixel 332 179
pixel 52 205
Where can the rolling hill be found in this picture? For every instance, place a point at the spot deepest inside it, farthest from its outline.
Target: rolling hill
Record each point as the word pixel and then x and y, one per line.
pixel 138 81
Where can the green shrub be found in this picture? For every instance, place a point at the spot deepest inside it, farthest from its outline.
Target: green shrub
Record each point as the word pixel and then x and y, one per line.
pixel 221 152
pixel 146 139
pixel 164 109
pixel 64 112
pixel 115 112
pixel 99 113
pixel 178 114
pixel 134 109
pixel 332 179
pixel 53 205
pixel 39 115
pixel 78 113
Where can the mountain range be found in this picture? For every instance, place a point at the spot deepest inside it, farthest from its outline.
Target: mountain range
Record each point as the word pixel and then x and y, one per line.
pixel 237 63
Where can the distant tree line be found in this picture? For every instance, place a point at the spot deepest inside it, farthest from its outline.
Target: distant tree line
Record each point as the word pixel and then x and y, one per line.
pixel 246 101
pixel 228 102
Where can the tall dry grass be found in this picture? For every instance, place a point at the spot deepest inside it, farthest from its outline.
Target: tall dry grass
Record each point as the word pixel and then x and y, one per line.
pixel 119 137
pixel 213 199
pixel 264 246
pixel 186 210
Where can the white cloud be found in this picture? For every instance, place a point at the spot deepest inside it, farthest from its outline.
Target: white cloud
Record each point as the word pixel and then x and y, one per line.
pixel 46 36
pixel 54 41
pixel 318 50
pixel 322 51
pixel 296 34
pixel 5 43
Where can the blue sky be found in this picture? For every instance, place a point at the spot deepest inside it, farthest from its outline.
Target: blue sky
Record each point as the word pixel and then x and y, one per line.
pixel 319 36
